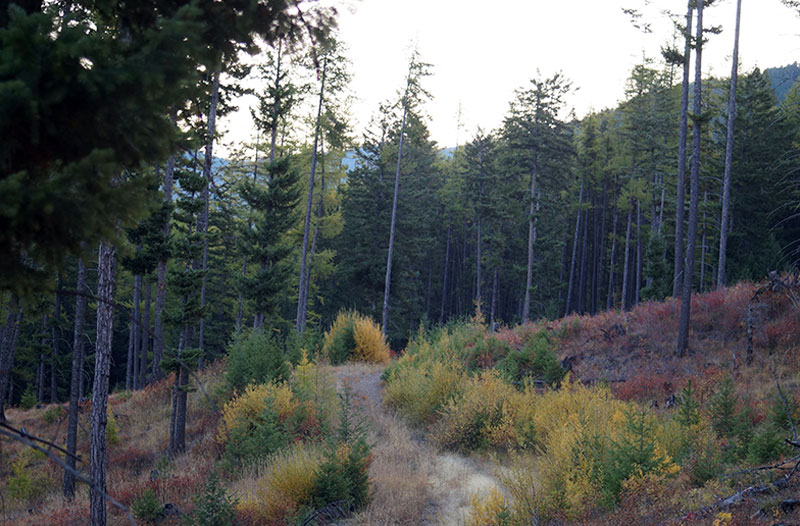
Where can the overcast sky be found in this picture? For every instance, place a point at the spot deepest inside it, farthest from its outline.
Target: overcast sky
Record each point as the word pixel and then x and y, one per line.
pixel 482 51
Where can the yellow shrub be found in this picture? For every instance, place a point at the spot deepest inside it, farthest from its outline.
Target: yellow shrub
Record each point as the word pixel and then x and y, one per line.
pixel 488 510
pixel 112 428
pixel 284 484
pixel 312 381
pixel 484 415
pixel 419 392
pixel 371 344
pixel 521 482
pixel 353 336
pixel 240 411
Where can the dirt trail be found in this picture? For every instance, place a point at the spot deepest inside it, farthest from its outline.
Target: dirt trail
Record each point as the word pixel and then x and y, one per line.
pixel 414 483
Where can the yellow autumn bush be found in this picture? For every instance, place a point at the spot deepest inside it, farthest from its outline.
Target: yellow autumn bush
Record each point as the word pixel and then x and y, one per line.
pixel 353 336
pixel 419 392
pixel 484 415
pixel 371 344
pixel 489 509
pixel 284 484
pixel 242 410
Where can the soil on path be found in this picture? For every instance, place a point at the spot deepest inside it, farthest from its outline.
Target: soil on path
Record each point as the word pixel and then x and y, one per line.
pixel 413 482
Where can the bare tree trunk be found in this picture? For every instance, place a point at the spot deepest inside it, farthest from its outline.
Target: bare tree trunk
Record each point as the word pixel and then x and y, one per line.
pixel 208 159
pixel 76 378
pixel 681 194
pixel 601 252
pixel 703 248
pixel 446 268
pixel 568 308
pixel 639 254
pixel 610 298
pixel 494 300
pixel 144 339
pixel 161 275
pixel 526 306
pixel 133 333
pixel 7 347
pixel 274 135
pixel 626 266
pixel 582 273
pixel 54 345
pixel 302 302
pixel 102 365
pixel 40 372
pixel 726 181
pixel 388 281
pixel 683 329
pixel 320 212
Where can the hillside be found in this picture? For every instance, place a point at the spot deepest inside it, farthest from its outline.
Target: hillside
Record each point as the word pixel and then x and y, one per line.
pixel 448 439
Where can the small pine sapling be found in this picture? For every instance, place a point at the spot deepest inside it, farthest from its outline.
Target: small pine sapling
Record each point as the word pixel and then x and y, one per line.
pixel 214 507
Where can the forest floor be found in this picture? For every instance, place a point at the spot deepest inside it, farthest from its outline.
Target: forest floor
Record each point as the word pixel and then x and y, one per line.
pixel 413 482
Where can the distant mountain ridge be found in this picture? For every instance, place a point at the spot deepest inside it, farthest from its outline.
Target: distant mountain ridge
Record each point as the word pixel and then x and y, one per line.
pixel 783 78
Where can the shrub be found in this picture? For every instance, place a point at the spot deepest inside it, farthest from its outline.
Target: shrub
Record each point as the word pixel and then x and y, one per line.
pixel 419 392
pixel 285 485
pixel 339 340
pixel 484 415
pixel 370 342
pixel 354 336
pixel 489 510
pixel 722 409
pixel 147 508
pixel 344 474
pixel 53 413
pixel 214 507
pixel 28 399
pixel 258 422
pixel 767 444
pixel 634 454
pixel 256 358
pixel 21 484
pixel 112 429
pixel 536 359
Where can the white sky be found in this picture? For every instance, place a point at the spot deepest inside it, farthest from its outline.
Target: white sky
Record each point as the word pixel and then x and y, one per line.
pixel 481 51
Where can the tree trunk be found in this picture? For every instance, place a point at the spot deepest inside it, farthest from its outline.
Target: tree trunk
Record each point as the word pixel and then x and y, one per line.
pixel 76 378
pixel 582 273
pixel 494 300
pixel 478 258
pixel 314 239
pixel 144 339
pixel 7 348
pixel 161 275
pixel 102 365
pixel 683 329
pixel 703 248
pixel 302 302
pixel 639 254
pixel 208 159
pixel 726 181
pixel 40 374
pixel 526 306
pixel 610 298
pixel 446 268
pixel 626 265
pixel 681 194
pixel 568 308
pixel 388 281
pixel 274 134
pixel 133 333
pixel 601 255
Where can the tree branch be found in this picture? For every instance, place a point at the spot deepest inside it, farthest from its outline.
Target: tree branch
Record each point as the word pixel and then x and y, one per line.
pixel 22 438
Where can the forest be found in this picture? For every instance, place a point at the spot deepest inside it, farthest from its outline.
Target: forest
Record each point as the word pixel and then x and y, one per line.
pixel 229 293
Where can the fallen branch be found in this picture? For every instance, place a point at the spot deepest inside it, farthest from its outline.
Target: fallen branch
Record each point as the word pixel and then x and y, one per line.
pixel 24 434
pixel 22 438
